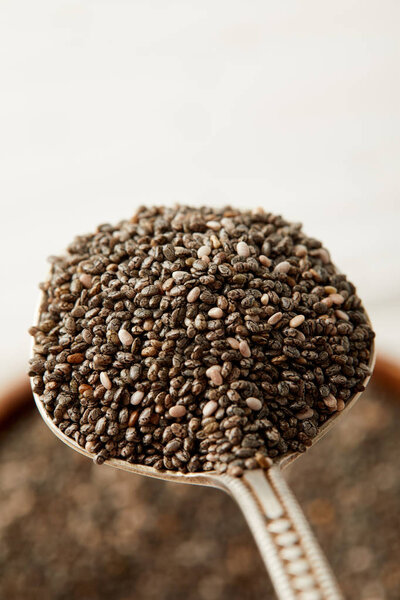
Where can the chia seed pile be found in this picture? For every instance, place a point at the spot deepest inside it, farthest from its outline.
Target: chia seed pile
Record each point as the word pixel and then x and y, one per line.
pixel 197 339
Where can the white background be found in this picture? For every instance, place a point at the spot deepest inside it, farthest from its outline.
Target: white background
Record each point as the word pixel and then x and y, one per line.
pixel 291 105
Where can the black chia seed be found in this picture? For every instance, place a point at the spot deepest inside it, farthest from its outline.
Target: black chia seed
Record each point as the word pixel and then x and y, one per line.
pixel 197 339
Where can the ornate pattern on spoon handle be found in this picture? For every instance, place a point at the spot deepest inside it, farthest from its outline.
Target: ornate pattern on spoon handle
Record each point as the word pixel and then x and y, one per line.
pixel 295 562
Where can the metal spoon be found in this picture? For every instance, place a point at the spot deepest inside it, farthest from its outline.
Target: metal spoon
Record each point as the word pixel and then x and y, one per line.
pixel 292 556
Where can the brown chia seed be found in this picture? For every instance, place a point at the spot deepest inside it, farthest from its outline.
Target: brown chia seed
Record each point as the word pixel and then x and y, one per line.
pixel 276 317
pixel 125 337
pixel 215 313
pixel 254 403
pixel 214 373
pixel 203 251
pixel 233 343
pixel 342 315
pixel 193 294
pixel 297 321
pixel 75 359
pixel 305 413
pixel 282 267
pixel 215 225
pixel 86 280
pixel 105 380
pixel 137 397
pixel 264 260
pixel 245 349
pixel 243 249
pixel 210 408
pixel 331 402
pixel 336 298
pixel 177 411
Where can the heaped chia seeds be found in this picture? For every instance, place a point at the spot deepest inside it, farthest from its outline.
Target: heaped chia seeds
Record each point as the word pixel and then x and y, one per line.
pixel 197 339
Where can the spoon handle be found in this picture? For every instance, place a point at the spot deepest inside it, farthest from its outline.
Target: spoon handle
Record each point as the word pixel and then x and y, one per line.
pixel 296 564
